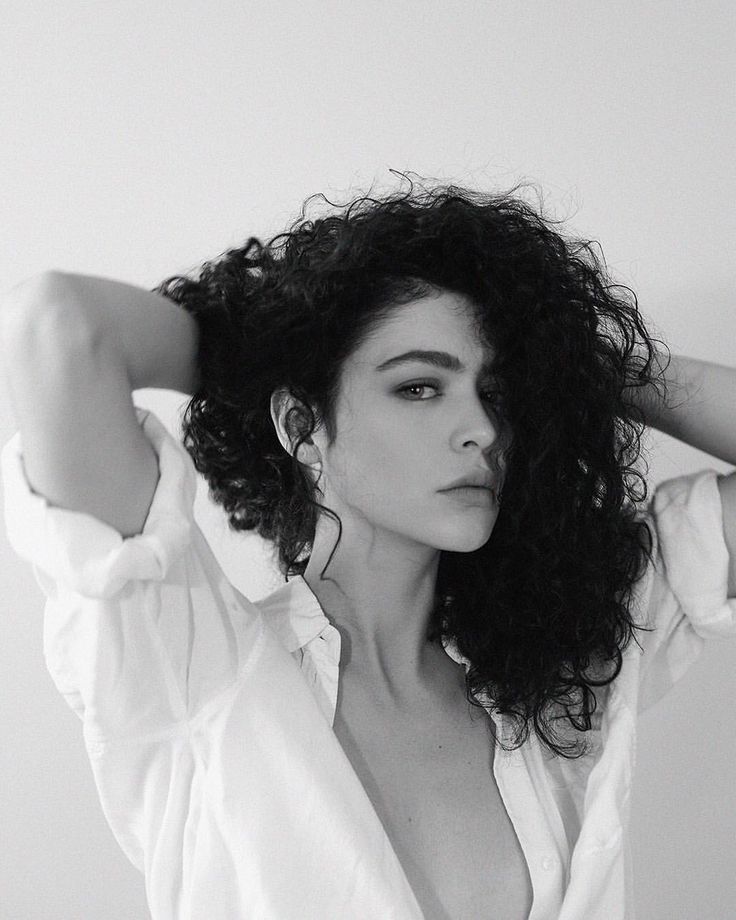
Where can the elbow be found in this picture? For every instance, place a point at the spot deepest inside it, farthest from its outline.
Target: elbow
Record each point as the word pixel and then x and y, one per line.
pixel 37 293
pixel 45 308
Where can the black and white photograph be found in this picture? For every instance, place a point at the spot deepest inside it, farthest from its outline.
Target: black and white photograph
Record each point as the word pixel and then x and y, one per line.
pixel 368 460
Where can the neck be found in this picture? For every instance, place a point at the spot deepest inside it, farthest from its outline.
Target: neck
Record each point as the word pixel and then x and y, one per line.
pixel 379 594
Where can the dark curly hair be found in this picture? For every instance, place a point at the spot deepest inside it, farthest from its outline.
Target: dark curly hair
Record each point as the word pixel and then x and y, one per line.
pixel 542 609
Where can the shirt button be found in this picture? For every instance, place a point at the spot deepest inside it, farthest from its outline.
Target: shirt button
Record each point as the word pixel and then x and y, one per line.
pixel 548 863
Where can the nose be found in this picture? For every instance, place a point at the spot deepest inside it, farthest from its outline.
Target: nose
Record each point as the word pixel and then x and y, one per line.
pixel 475 427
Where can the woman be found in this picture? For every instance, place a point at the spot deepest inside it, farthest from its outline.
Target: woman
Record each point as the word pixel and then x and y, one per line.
pixel 431 403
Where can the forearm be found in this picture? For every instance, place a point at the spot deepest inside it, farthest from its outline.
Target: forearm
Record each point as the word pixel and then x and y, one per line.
pixel 155 339
pixel 698 406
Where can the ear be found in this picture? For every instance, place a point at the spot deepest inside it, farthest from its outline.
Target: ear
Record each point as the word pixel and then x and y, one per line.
pixel 286 414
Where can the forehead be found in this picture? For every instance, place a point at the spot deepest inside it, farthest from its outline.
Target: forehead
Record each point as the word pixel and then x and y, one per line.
pixel 446 321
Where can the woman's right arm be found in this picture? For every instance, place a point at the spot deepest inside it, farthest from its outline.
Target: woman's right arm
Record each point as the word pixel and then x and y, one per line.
pixel 75 347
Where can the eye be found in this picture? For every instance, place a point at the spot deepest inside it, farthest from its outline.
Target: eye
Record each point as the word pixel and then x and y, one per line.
pixel 495 399
pixel 409 391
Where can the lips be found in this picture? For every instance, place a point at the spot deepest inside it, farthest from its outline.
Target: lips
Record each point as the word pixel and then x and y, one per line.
pixel 478 480
pixel 471 496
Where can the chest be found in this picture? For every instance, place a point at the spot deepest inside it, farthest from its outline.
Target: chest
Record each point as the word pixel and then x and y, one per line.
pixel 429 776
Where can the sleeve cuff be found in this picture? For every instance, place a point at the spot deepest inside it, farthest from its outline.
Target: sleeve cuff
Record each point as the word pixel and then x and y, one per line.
pixel 689 518
pixel 87 555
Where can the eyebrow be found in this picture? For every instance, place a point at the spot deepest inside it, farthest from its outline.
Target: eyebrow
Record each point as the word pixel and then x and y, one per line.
pixel 441 359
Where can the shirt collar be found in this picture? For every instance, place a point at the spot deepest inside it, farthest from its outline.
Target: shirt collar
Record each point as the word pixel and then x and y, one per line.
pixel 295 615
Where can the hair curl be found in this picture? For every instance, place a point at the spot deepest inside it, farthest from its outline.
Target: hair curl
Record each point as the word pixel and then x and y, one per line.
pixel 542 609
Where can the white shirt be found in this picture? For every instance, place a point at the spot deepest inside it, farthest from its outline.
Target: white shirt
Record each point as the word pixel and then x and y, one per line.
pixel 208 718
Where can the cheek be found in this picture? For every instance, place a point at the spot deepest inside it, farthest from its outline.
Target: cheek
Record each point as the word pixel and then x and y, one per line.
pixel 383 465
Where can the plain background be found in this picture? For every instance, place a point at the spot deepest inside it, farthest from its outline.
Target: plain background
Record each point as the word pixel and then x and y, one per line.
pixel 141 138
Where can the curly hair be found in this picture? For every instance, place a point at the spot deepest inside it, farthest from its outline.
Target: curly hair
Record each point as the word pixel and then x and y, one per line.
pixel 541 610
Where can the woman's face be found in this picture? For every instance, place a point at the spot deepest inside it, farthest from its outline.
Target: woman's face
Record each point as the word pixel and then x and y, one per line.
pixel 407 428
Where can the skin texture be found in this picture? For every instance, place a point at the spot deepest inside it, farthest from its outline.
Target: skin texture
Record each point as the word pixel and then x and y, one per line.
pixel 403 434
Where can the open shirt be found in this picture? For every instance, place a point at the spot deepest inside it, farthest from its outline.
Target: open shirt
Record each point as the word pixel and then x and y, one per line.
pixel 208 718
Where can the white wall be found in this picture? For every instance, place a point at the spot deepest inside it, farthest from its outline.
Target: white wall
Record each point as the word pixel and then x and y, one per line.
pixel 140 138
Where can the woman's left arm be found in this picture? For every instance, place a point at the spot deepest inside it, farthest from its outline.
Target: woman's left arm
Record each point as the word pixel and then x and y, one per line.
pixel 698 406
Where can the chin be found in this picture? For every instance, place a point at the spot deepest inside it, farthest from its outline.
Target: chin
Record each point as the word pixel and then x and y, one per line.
pixel 465 539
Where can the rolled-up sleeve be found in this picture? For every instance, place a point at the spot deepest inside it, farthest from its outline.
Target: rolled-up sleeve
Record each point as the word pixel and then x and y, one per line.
pixel 140 632
pixel 686 595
